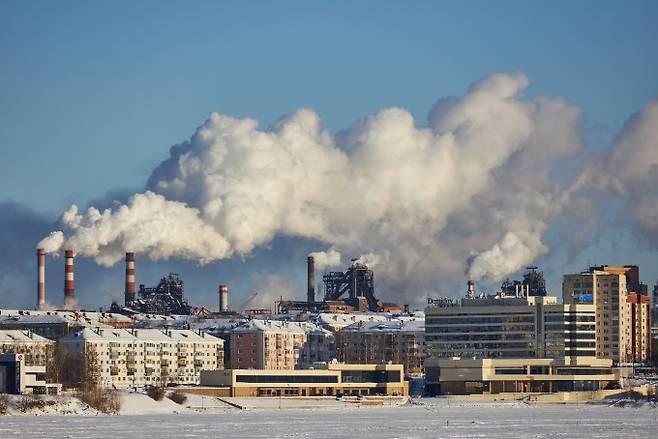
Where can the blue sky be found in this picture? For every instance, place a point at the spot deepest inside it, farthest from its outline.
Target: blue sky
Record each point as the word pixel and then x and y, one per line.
pixel 93 94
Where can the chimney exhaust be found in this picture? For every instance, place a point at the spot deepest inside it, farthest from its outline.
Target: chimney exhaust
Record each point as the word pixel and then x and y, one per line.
pixel 129 295
pixel 69 278
pixel 41 279
pixel 223 298
pixel 310 296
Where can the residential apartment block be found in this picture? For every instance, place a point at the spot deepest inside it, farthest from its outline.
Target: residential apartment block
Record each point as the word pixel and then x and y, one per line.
pixel 380 342
pixel 35 350
pixel 275 344
pixel 141 357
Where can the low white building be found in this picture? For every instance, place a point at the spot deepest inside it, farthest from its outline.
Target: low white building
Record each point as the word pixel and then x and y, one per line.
pixel 18 378
pixel 140 357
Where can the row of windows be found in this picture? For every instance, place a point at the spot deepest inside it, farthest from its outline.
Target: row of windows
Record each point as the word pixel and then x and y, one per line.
pixel 479 319
pixel 483 329
pixel 481 337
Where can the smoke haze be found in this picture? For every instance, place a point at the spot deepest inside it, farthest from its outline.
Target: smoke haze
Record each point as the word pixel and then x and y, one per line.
pixel 471 191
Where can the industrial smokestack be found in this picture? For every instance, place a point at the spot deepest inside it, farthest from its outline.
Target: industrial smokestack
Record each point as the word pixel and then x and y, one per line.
pixel 41 279
pixel 310 296
pixel 69 278
pixel 223 298
pixel 129 296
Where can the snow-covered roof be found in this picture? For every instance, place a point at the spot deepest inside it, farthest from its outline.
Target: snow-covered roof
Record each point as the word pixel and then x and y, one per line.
pixel 140 334
pixel 279 326
pixel 393 325
pixel 82 318
pixel 19 336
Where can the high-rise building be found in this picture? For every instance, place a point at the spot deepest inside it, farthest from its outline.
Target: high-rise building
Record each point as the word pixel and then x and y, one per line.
pixel 623 320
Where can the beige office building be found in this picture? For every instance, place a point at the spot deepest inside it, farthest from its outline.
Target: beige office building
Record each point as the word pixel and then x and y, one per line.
pixel 523 375
pixel 623 319
pixel 322 380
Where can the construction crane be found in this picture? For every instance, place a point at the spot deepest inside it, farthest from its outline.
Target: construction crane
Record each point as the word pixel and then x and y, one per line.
pixel 247 302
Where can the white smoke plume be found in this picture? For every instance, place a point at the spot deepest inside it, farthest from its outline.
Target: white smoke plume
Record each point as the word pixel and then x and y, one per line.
pixel 374 260
pixel 474 181
pixel 631 168
pixel 326 259
pixel 148 224
pixel 52 243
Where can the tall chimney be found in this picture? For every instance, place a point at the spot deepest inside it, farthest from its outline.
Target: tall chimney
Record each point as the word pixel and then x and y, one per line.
pixel 223 298
pixel 41 278
pixel 310 295
pixel 129 295
pixel 69 280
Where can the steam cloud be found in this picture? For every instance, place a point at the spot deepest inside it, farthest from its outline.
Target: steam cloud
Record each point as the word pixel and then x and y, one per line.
pixel 475 183
pixel 329 258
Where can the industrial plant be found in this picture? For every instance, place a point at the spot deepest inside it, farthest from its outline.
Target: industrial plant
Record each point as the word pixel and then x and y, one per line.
pixel 348 291
pixel 518 339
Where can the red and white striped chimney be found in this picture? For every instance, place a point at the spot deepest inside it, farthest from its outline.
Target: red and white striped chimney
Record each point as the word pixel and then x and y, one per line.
pixel 41 278
pixel 69 278
pixel 129 295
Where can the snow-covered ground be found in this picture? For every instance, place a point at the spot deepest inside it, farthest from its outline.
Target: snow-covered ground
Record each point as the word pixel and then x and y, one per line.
pixel 431 419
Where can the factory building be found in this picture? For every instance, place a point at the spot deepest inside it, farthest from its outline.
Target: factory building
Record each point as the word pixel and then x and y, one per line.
pixel 322 380
pixel 461 376
pixel 136 358
pixel 275 344
pixel 393 341
pixel 623 317
pixel 509 327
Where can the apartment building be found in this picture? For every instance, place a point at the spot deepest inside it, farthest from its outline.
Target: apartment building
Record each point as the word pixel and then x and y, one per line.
pixel 623 318
pixel 509 327
pixel 121 358
pixel 275 344
pixel 35 350
pixel 380 342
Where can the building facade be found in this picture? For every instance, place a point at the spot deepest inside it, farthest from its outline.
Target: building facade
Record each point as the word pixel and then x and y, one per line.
pixel 509 327
pixel 118 358
pixel 275 344
pixel 381 342
pixel 17 377
pixel 623 318
pixel 329 379
pixel 523 375
pixel 35 350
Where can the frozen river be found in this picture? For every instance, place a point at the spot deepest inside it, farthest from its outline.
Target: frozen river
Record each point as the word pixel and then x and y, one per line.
pixel 432 420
